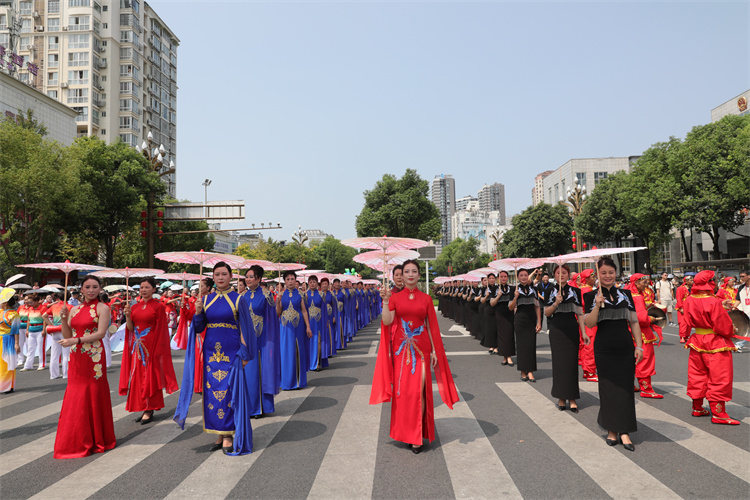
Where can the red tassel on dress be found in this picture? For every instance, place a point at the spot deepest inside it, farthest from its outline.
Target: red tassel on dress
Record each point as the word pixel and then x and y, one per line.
pixel 85 424
pixel 147 359
pixel 402 370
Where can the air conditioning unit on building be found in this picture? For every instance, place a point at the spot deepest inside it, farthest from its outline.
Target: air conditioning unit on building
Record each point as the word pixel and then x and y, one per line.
pixel 65 28
pixel 39 27
pixel 64 85
pixel 36 13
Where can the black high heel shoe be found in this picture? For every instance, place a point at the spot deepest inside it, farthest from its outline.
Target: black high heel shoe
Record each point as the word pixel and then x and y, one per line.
pixel 574 409
pixel 562 408
pixel 149 414
pixel 627 446
pixel 415 449
pixel 612 442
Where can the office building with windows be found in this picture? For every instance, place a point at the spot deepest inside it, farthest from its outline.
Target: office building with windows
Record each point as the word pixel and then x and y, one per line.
pixel 588 171
pixel 537 192
pixel 492 198
pixel 112 61
pixel 443 195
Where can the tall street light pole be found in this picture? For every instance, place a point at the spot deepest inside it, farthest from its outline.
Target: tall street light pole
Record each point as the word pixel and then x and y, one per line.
pixel 206 183
pixel 155 156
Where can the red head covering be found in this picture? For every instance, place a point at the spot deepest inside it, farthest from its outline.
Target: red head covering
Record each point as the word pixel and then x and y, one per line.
pixel 725 281
pixel 585 274
pixel 704 281
pixel 635 277
pixel 573 280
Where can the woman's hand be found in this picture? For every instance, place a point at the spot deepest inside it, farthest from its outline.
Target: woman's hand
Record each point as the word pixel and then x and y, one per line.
pixel 433 359
pixel 309 333
pixel 64 311
pixel 538 327
pixel 126 311
pixel 599 300
pixel 586 339
pixel 558 299
pixel 516 295
pixel 18 347
pixel 638 354
pixel 385 294
pixel 199 306
pixel 68 342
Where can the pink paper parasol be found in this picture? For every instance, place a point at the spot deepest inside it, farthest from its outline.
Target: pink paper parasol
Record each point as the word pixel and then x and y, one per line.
pixel 180 276
pixel 201 258
pixel 385 245
pixel 514 263
pixel 14 278
pixel 67 267
pixel 127 273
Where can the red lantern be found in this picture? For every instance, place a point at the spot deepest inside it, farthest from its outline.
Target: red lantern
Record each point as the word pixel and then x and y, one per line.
pixel 584 246
pixel 160 223
pixel 574 246
pixel 144 224
pixel 573 233
pixel 143 234
pixel 159 214
pixel 574 239
pixel 143 214
pixel 594 247
pixel 160 233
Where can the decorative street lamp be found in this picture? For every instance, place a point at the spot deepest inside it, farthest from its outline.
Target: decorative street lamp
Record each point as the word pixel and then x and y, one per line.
pixel 576 198
pixel 155 156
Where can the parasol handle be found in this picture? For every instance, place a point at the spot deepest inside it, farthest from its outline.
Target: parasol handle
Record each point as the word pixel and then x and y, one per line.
pixel 66 289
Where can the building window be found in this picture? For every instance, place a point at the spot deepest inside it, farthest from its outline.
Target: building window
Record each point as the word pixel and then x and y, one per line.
pixel 53 24
pixel 79 3
pixel 129 122
pixel 83 113
pixel 557 194
pixel 128 139
pixel 126 36
pixel 666 257
pixel 130 4
pixel 52 94
pixel 3 22
pixel 104 130
pixel 26 7
pixel 78 59
pixel 126 53
pixel 78 41
pixel 52 79
pixel 550 196
pixel 53 6
pixel 599 176
pixel 79 23
pixel 53 60
pixel 581 176
pixel 79 77
pixel 78 96
pixel 53 42
pixel 26 25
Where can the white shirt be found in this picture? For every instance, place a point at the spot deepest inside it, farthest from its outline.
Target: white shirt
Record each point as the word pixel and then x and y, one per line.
pixel 664 289
pixel 744 298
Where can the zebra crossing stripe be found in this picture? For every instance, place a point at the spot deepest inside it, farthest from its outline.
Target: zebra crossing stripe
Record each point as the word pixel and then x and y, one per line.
pixel 721 453
pixel 464 445
pixel 17 397
pixel 202 482
pixel 586 448
pixel 25 418
pixel 352 451
pixel 94 476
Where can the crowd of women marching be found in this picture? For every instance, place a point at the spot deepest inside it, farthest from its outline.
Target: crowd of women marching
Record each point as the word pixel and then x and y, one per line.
pixel 243 345
pixel 610 332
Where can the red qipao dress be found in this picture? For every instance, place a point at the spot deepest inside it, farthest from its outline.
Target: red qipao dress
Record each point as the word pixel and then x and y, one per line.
pixel 85 424
pixel 147 359
pixel 402 370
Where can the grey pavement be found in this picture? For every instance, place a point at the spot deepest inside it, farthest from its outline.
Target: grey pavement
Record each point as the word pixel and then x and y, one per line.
pixel 505 438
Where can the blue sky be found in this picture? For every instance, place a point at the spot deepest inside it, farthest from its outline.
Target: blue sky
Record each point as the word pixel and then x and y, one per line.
pixel 298 107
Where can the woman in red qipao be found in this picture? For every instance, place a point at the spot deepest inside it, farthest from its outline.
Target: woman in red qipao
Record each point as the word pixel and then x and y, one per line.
pixel 402 373
pixel 187 311
pixel 85 424
pixel 147 359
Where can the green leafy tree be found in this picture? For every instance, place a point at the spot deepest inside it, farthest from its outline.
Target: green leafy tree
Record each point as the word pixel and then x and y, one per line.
pixel 27 121
pixel 399 207
pixel 115 179
pixel 712 169
pixel 601 219
pixel 460 256
pixel 335 256
pixel 40 195
pixel 539 231
pixel 648 197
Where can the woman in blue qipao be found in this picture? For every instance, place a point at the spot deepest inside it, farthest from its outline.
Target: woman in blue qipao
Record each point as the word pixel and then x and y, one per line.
pixel 263 371
pixel 318 314
pixel 339 294
pixel 294 334
pixel 350 311
pixel 226 405
pixel 331 310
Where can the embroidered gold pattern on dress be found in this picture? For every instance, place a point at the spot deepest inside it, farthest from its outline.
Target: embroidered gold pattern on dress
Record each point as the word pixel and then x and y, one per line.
pixel 314 312
pixel 94 350
pixel 210 406
pixel 218 355
pixel 220 375
pixel 220 413
pixel 330 309
pixel 222 325
pixel 257 322
pixel 220 395
pixel 290 315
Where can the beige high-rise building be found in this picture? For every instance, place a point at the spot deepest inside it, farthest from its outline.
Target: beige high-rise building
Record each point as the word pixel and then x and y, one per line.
pixel 443 195
pixel 112 61
pixel 537 192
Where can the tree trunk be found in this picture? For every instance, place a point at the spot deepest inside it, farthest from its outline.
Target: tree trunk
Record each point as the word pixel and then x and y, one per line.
pixel 714 234
pixel 688 257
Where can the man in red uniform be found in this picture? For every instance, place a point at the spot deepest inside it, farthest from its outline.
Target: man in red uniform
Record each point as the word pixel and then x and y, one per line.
pixel 710 370
pixel 683 291
pixel 647 366
pixel 586 351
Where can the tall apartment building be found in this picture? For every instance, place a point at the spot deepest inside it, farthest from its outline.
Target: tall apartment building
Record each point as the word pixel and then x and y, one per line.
pixel 463 202
pixel 112 61
pixel 537 192
pixel 588 171
pixel 492 198
pixel 443 194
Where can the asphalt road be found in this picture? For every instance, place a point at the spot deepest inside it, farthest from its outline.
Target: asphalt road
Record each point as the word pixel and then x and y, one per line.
pixel 505 438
